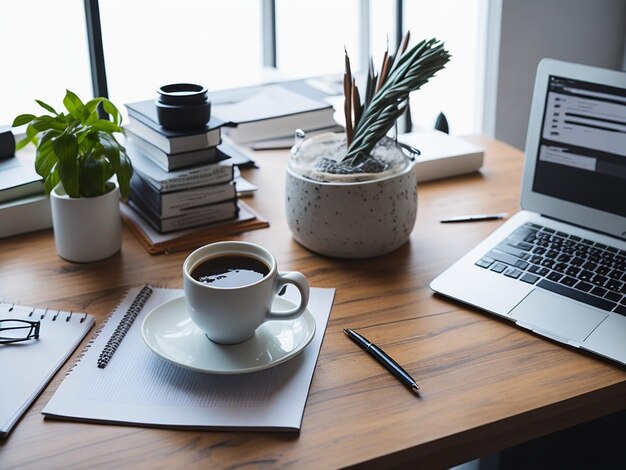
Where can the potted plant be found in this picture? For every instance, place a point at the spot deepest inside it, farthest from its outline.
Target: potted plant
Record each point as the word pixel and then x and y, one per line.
pixel 354 195
pixel 77 156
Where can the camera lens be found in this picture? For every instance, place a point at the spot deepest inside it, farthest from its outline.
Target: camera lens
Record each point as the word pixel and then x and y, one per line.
pixel 183 106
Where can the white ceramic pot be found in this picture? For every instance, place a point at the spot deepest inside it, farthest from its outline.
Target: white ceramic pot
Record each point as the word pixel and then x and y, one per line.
pixel 86 229
pixel 352 220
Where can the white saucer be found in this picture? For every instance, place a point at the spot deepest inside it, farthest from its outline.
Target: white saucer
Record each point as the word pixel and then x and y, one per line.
pixel 169 332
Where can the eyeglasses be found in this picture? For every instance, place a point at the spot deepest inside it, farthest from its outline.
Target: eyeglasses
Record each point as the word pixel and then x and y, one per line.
pixel 14 331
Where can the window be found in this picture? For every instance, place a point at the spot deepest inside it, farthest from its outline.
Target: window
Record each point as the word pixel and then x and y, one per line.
pixel 149 43
pixel 457 90
pixel 43 52
pixel 221 44
pixel 311 35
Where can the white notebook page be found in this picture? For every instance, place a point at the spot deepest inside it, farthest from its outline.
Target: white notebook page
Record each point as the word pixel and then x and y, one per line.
pixel 138 387
pixel 26 367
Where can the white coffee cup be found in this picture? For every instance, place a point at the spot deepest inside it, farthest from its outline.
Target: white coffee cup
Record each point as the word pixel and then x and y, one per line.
pixel 230 315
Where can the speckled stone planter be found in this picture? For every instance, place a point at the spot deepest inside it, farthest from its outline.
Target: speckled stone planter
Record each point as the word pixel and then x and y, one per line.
pixel 352 220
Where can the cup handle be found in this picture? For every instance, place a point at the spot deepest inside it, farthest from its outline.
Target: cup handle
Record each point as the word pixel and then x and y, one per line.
pixel 301 283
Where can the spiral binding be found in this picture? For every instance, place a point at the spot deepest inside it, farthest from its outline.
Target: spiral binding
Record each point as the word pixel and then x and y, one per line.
pixel 123 326
pixel 42 316
pixel 90 342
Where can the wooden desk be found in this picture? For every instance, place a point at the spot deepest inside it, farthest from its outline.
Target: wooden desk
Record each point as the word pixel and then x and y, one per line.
pixel 485 385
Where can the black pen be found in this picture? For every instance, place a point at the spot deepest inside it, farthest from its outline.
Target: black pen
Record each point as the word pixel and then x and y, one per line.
pixel 474 218
pixel 382 357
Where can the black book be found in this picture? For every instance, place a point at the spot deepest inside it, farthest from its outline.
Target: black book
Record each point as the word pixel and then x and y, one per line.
pixel 7 143
pixel 166 181
pixel 169 162
pixel 177 203
pixel 196 217
pixel 144 123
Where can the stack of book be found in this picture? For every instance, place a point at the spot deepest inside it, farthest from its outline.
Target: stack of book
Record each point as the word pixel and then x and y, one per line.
pixel 442 155
pixel 171 149
pixel 271 112
pixel 24 207
pixel 182 199
pixel 181 178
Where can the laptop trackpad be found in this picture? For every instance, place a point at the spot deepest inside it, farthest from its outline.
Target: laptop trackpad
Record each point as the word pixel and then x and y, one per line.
pixel 558 317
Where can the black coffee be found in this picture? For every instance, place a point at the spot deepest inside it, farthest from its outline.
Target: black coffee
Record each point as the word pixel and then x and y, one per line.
pixel 230 271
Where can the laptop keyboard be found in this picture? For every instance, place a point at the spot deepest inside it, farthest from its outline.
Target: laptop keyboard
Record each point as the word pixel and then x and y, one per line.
pixel 572 266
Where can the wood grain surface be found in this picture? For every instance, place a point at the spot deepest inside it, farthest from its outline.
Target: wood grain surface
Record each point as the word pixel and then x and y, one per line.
pixel 485 384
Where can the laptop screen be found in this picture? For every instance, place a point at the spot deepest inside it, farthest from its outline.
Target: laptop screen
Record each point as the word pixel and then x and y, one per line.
pixel 582 146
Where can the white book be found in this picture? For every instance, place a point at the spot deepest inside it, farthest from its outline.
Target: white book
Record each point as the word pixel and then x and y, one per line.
pixel 266 103
pixel 280 127
pixel 157 242
pixel 165 181
pixel 139 388
pixel 289 141
pixel 244 187
pixel 25 215
pixel 273 112
pixel 210 138
pixel 442 155
pixel 194 217
pixel 135 146
pixel 18 177
pixel 28 366
pixel 177 203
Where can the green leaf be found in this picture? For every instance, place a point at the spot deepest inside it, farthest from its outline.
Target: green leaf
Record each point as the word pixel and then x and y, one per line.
pixel 22 119
pixel 44 123
pixel 75 107
pixel 51 180
pixel 112 110
pixel 46 106
pixel 22 143
pixel 93 117
pixel 46 159
pixel 106 126
pixel 119 161
pixel 92 105
pixel 124 174
pixel 66 149
pixel 87 141
pixel 49 136
pixel 31 136
pixel 108 107
pixel 94 172
pixel 31 132
pixel 408 73
pixel 67 119
pixel 111 148
pixel 77 147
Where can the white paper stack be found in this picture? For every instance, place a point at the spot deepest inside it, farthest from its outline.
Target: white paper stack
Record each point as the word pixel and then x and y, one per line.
pixel 442 155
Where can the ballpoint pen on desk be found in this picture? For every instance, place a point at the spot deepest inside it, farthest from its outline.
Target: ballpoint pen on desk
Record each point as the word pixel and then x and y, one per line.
pixel 382 357
pixel 474 218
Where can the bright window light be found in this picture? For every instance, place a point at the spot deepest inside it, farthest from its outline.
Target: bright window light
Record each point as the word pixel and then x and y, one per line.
pixel 457 90
pixel 43 52
pixel 311 36
pixel 219 44
pixel 149 43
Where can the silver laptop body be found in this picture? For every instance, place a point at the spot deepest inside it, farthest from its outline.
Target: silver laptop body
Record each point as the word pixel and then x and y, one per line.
pixel 558 267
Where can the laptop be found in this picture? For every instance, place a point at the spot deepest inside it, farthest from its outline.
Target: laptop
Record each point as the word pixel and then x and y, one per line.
pixel 558 267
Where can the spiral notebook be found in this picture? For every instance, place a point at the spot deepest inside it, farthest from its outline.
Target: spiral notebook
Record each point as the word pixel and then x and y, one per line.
pixel 119 380
pixel 26 367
